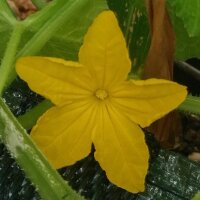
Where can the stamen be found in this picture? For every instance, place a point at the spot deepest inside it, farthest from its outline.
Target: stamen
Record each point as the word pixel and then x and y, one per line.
pixel 101 94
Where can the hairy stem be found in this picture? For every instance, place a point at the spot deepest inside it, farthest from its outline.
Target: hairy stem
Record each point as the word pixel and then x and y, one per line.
pixel 48 182
pixel 7 65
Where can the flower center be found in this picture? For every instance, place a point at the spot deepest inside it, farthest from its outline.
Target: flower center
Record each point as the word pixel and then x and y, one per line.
pixel 101 94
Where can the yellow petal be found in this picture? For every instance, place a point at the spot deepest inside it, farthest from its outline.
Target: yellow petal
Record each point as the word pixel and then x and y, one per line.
pixel 64 133
pixel 104 51
pixel 58 80
pixel 146 101
pixel 121 150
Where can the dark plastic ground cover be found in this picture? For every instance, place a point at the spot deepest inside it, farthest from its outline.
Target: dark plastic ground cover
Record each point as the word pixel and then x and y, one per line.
pixel 171 177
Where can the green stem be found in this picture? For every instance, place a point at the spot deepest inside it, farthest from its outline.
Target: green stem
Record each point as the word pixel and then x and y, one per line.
pixel 7 65
pixel 39 3
pixel 29 119
pixel 48 182
pixel 7 12
pixel 191 105
pixel 36 43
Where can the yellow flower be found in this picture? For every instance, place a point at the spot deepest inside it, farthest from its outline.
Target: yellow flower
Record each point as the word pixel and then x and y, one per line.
pixel 95 103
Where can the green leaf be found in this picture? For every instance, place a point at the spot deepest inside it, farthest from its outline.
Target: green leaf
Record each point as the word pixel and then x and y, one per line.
pixel 188 12
pixel 197 196
pixel 134 24
pixel 186 20
pixel 68 38
pixel 57 30
pixel 191 105
pixel 48 182
pixel 71 19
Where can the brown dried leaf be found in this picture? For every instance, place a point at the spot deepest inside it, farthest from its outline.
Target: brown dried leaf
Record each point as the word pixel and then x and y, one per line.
pixel 167 130
pixel 22 8
pixel 159 64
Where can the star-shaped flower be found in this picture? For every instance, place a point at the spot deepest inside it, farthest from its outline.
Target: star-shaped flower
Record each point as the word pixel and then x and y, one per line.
pixel 96 104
